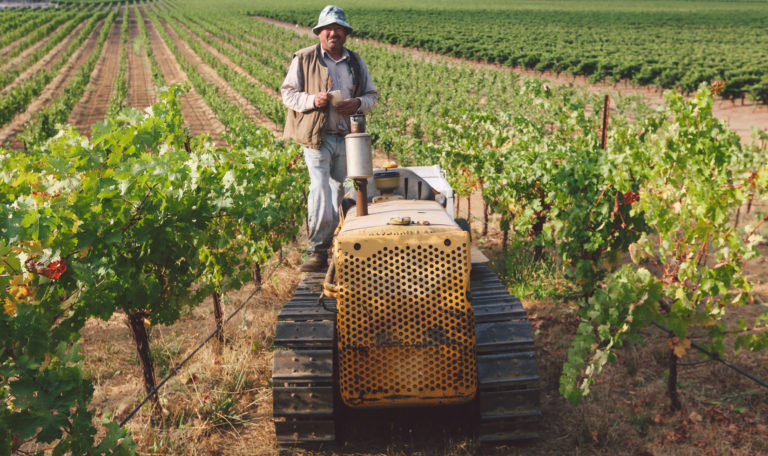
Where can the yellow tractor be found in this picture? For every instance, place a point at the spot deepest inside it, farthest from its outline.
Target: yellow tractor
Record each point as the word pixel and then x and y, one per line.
pixel 410 315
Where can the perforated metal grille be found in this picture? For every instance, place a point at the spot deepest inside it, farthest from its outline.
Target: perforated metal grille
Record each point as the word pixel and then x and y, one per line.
pixel 405 327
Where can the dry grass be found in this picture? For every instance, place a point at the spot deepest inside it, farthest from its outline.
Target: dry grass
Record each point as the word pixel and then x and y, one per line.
pixel 220 403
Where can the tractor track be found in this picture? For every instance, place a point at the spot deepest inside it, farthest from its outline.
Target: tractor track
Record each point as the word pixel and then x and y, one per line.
pixel 210 74
pixel 199 117
pixel 141 88
pixel 16 61
pixel 47 62
pixel 52 90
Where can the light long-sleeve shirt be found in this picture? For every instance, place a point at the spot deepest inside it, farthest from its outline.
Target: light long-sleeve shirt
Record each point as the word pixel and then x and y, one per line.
pixel 340 74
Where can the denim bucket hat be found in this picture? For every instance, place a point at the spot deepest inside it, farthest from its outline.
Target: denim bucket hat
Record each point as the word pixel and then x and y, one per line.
pixel 331 14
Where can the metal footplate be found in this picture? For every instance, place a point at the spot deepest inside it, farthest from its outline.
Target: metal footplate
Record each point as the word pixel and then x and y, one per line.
pixel 508 379
pixel 303 367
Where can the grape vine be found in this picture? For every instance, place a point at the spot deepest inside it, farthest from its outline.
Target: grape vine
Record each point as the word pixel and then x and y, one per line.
pixel 127 221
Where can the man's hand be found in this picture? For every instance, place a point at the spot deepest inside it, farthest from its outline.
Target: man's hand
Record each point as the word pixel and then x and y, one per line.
pixel 322 99
pixel 348 106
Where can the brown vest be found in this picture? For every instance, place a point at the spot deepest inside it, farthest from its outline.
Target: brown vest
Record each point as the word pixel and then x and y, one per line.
pixel 308 128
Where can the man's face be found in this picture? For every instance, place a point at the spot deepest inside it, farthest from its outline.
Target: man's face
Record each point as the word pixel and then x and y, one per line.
pixel 332 37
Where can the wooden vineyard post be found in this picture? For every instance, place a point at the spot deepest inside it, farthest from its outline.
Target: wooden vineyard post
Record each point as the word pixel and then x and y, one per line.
pixel 485 213
pixel 604 137
pixel 469 209
pixel 505 239
pixel 257 275
pixel 538 227
pixel 306 219
pixel 217 313
pixel 140 337
pixel 674 398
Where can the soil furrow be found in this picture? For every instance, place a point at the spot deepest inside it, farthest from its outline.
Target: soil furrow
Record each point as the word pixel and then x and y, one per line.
pixel 198 116
pixel 16 61
pixel 141 89
pixel 53 89
pixel 210 74
pixel 740 118
pixel 92 107
pixel 48 61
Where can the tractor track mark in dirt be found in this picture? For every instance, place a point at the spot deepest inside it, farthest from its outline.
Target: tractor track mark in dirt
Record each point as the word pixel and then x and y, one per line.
pixel 209 73
pixel 52 90
pixel 141 89
pixel 92 107
pixel 47 62
pixel 197 115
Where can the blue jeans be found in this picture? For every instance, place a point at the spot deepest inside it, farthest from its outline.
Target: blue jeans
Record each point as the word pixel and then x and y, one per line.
pixel 327 170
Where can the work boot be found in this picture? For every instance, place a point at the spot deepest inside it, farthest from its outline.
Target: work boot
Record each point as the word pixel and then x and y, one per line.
pixel 317 262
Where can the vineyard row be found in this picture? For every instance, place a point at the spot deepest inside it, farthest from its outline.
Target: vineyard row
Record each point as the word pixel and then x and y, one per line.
pixel 144 220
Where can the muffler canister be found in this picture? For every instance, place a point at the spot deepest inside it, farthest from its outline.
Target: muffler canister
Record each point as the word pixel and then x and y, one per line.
pixel 359 156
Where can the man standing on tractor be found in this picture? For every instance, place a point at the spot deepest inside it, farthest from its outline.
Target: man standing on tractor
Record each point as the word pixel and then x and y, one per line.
pixel 325 84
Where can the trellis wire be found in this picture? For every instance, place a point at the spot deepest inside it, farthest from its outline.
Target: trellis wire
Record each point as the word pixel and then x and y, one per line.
pixel 717 357
pixel 175 369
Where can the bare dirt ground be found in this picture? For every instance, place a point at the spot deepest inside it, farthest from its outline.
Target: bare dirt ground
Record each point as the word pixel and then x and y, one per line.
pixel 210 74
pixel 53 89
pixel 739 117
pixel 241 366
pixel 47 61
pixel 92 107
pixel 141 89
pixel 196 113
pixel 14 62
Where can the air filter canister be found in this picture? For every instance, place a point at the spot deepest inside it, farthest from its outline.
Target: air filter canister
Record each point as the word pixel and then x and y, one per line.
pixel 359 156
